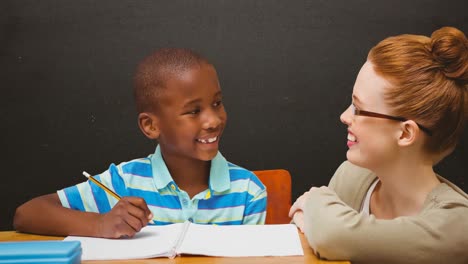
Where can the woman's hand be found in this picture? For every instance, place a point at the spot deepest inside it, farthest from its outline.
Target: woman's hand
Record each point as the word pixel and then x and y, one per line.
pixel 296 211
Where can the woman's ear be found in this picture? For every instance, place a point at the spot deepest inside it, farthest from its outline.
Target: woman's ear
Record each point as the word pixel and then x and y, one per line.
pixel 409 133
pixel 149 125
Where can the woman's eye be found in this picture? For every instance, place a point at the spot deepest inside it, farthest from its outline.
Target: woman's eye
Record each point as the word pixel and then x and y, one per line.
pixel 218 103
pixel 354 109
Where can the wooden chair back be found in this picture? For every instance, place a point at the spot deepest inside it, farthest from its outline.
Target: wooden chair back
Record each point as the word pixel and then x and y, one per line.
pixel 278 184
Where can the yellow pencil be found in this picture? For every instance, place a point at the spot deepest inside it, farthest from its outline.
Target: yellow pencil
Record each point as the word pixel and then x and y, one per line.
pixel 105 188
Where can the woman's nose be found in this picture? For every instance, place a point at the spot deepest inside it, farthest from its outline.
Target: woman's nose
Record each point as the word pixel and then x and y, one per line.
pixel 346 117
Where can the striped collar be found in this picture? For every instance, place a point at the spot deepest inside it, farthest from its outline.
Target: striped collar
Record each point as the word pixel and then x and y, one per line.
pixel 219 172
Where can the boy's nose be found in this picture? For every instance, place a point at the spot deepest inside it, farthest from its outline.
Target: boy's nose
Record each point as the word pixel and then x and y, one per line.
pixel 346 116
pixel 211 120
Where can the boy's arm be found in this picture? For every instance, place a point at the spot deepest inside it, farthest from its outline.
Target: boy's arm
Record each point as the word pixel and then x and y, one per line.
pixel 46 215
pixel 255 210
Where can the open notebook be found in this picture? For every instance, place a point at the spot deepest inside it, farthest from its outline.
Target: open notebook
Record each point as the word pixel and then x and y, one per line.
pixel 188 238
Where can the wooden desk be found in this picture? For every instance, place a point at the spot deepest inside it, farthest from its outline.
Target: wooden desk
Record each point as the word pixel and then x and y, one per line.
pixel 308 257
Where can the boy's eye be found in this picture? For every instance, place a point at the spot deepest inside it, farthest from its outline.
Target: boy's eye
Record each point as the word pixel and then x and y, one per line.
pixel 217 103
pixel 193 112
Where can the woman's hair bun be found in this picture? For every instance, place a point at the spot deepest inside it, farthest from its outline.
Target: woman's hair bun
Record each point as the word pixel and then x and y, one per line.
pixel 449 48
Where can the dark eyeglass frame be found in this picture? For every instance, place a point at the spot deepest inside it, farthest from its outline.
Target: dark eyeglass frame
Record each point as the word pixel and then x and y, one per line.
pixel 378 115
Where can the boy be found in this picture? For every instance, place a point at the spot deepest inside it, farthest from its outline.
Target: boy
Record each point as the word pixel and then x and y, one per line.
pixel 179 102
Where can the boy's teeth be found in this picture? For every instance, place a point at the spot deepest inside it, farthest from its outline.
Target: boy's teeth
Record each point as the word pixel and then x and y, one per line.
pixel 209 140
pixel 351 138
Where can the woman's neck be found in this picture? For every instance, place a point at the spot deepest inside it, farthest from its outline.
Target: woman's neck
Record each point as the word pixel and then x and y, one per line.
pixel 402 190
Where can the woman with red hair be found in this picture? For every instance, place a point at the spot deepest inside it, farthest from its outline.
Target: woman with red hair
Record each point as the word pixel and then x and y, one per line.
pixel 385 204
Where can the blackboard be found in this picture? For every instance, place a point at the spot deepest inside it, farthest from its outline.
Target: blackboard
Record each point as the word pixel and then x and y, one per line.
pixel 286 69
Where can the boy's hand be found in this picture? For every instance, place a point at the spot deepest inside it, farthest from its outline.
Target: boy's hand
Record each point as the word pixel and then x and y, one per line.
pixel 126 219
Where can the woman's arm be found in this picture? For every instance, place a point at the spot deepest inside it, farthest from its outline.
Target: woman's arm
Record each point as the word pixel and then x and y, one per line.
pixel 338 232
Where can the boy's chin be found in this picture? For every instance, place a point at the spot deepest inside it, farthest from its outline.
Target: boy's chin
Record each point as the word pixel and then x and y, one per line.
pixel 208 156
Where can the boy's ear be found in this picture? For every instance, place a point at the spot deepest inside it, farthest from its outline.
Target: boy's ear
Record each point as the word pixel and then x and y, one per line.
pixel 409 132
pixel 149 125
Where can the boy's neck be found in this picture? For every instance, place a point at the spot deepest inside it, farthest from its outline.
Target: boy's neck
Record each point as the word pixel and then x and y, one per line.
pixel 190 175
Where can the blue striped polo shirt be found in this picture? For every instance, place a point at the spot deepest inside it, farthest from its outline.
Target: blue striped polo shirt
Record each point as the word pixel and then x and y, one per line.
pixel 235 195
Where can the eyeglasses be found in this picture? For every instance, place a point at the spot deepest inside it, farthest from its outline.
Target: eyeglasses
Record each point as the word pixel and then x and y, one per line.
pixel 396 118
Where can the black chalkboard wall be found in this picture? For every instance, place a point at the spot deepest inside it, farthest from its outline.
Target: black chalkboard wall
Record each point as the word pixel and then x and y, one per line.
pixel 286 69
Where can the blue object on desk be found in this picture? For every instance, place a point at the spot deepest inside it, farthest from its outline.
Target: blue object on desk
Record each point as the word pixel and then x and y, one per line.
pixel 56 252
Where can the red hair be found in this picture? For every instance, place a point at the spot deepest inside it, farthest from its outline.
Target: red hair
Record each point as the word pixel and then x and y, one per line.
pixel 429 79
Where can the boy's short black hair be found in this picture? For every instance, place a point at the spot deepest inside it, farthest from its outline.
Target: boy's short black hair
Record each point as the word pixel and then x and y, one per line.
pixel 153 72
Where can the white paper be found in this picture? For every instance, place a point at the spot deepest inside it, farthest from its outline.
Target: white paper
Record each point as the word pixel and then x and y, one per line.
pixel 151 241
pixel 242 240
pixel 209 240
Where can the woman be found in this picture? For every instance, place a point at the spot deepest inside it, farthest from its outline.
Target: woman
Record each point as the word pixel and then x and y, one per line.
pixel 386 204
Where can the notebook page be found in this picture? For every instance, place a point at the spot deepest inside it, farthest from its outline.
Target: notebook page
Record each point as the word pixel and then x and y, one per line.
pixel 242 240
pixel 151 241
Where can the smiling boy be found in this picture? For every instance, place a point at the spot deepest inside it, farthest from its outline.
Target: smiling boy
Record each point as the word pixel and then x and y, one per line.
pixel 179 102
